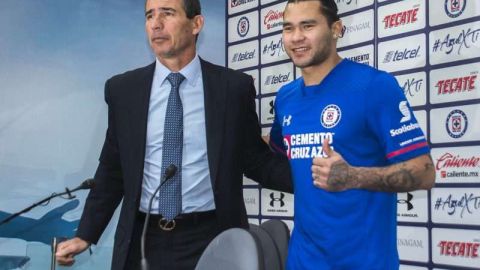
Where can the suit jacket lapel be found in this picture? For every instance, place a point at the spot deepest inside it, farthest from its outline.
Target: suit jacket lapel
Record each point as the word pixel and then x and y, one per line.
pixel 214 87
pixel 140 105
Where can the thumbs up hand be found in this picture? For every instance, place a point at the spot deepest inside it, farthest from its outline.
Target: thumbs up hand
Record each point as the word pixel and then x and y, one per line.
pixel 331 172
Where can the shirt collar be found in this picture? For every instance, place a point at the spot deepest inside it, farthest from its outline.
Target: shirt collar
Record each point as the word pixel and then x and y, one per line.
pixel 191 71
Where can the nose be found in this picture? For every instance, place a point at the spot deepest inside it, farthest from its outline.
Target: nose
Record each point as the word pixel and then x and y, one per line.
pixel 158 22
pixel 297 35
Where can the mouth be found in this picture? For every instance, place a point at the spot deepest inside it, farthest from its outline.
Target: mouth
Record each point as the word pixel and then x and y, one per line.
pixel 300 49
pixel 158 38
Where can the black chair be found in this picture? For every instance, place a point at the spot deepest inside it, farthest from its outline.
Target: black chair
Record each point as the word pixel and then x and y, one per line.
pixel 271 254
pixel 280 234
pixel 233 249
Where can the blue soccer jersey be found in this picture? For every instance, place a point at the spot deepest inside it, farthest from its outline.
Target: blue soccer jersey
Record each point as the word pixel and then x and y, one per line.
pixel 365 116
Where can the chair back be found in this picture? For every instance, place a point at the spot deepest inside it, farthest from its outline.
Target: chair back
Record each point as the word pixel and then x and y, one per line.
pixel 233 249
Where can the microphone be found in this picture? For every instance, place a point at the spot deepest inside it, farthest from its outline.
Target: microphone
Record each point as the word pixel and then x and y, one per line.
pixel 169 173
pixel 87 184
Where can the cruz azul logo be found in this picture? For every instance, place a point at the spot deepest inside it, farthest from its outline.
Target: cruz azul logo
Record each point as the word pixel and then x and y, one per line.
pixel 239 57
pixel 273 19
pixel 455 8
pixel 400 18
pixel 456 124
pixel 456 85
pixel 330 116
pixel 449 161
pixel 399 55
pixel 243 26
pixel 306 145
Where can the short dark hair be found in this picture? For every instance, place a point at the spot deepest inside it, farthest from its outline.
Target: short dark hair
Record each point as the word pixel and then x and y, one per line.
pixel 328 8
pixel 192 8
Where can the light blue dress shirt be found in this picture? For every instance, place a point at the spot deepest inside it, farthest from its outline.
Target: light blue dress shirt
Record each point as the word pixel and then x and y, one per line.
pixel 197 193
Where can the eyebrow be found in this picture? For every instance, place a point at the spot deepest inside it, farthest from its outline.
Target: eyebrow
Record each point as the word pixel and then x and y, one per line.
pixel 312 21
pixel 164 9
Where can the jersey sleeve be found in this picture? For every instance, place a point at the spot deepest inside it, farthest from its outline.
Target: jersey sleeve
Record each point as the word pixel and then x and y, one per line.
pixel 392 120
pixel 276 137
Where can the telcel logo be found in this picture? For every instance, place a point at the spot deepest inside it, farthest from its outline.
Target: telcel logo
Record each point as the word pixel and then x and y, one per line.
pixel 399 55
pixel 238 57
pixel 276 79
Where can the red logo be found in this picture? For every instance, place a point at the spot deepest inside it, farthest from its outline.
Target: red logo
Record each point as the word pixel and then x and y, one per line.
pixel 463 249
pixel 455 85
pixel 272 15
pixel 401 18
pixel 448 160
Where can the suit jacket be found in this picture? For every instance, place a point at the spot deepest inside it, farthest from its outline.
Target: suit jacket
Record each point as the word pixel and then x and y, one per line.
pixel 234 147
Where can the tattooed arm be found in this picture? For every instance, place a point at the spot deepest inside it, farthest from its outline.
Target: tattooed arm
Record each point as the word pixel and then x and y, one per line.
pixel 333 173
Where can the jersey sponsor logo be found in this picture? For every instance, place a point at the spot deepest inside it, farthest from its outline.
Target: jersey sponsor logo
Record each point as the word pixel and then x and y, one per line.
pixel 455 8
pixel 456 124
pixel 400 18
pixel 403 107
pixel 454 166
pixel 404 129
pixel 243 26
pixel 456 85
pixel 306 145
pixel 287 120
pixel 330 116
pixel 400 55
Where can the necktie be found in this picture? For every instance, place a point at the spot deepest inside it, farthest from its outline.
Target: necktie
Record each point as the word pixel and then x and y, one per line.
pixel 170 194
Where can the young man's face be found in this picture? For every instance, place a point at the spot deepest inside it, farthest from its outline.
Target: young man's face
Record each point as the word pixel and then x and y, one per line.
pixel 308 38
pixel 170 33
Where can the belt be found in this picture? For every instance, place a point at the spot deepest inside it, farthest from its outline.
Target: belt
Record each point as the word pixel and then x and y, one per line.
pixel 182 220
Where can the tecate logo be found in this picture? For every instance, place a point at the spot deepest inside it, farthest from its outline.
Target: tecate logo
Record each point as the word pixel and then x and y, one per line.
pixel 238 57
pixel 463 249
pixel 401 18
pixel 456 85
pixel 400 55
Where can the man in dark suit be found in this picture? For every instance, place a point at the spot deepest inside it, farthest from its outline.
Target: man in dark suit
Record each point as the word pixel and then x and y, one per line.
pixel 221 141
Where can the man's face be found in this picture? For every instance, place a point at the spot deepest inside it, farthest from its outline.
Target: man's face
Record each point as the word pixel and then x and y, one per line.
pixel 170 33
pixel 306 34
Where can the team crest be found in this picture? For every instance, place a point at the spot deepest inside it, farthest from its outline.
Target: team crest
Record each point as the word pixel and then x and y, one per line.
pixel 457 124
pixel 243 26
pixel 455 8
pixel 330 116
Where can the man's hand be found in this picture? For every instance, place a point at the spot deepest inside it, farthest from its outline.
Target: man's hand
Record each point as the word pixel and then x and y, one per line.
pixel 67 250
pixel 331 172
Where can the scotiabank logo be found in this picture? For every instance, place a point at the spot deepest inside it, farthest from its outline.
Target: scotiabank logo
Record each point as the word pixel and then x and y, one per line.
pixel 456 85
pixel 273 19
pixel 400 55
pixel 236 3
pixel 400 18
pixel 459 249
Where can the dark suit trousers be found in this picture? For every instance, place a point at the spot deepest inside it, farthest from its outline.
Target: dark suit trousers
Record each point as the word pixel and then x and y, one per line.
pixel 178 249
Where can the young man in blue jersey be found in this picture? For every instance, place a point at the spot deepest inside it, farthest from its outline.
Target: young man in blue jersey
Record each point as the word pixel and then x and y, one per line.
pixel 356 125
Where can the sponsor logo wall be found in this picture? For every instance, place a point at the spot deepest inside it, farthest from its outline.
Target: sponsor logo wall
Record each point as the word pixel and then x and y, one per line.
pixel 432 47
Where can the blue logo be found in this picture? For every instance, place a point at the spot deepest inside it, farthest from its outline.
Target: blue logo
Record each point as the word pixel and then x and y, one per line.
pixel 331 115
pixel 455 8
pixel 457 124
pixel 243 26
